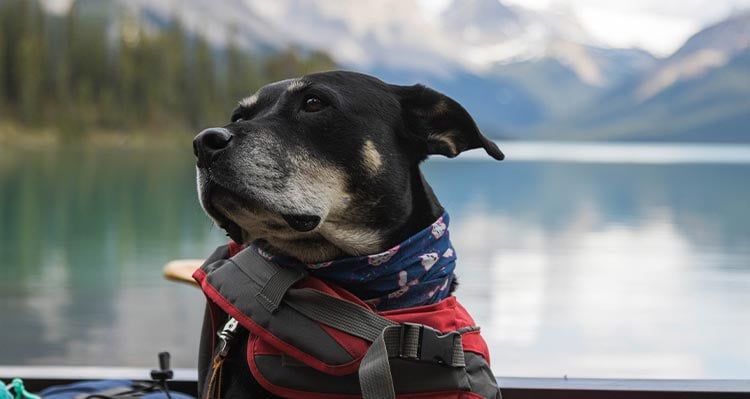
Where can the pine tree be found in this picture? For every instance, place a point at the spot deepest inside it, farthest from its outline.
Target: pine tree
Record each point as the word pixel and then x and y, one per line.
pixel 3 57
pixel 30 62
pixel 175 73
pixel 242 76
pixel 201 98
pixel 70 72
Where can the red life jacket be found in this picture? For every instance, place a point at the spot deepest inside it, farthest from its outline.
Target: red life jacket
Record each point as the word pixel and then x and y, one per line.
pixel 311 339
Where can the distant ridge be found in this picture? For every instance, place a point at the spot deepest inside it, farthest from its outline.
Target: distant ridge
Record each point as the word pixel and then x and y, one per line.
pixel 521 73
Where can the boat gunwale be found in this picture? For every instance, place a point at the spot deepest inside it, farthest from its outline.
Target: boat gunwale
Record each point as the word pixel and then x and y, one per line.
pixel 38 377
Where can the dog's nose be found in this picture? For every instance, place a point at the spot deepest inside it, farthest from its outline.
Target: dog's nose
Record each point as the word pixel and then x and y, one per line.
pixel 210 142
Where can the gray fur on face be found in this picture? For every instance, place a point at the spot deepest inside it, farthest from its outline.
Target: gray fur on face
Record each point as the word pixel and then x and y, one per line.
pixel 283 180
pixel 327 165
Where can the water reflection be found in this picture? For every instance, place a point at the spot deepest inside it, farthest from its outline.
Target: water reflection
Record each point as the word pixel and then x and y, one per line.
pixel 84 236
pixel 577 269
pixel 581 281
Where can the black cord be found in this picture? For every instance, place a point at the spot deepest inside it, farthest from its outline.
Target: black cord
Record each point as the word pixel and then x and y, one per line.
pixel 139 390
pixel 165 389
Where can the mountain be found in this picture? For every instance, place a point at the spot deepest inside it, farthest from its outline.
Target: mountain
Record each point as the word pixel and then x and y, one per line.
pixel 700 93
pixel 561 88
pixel 469 35
pixel 475 50
pixel 520 72
pixel 218 21
pixel 488 34
pixel 501 106
pixel 708 49
pixel 360 35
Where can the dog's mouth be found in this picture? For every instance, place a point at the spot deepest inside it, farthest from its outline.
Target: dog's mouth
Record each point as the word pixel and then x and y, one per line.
pixel 210 193
pixel 224 205
pixel 302 223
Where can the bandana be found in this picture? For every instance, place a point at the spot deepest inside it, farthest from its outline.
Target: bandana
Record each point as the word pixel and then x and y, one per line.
pixel 416 272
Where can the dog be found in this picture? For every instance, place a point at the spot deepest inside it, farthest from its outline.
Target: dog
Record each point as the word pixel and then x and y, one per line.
pixel 326 167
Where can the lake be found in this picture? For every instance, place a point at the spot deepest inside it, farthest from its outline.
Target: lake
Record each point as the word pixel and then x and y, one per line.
pixel 585 260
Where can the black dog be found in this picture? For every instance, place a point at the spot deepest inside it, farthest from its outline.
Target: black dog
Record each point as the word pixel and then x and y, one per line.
pixel 326 167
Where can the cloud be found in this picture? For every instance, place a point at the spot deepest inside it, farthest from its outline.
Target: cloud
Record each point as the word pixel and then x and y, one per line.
pixel 660 34
pixel 658 26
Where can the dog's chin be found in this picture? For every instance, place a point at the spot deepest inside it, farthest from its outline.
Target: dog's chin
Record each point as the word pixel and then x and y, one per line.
pixel 233 230
pixel 307 238
pixel 216 201
pixel 246 220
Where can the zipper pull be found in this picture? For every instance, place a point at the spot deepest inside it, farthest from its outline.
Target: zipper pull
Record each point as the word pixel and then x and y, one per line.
pixel 226 335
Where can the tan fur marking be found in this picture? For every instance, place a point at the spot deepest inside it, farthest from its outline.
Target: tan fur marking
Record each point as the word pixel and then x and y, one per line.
pixel 297 84
pixel 371 157
pixel 447 140
pixel 248 102
pixel 352 239
pixel 440 108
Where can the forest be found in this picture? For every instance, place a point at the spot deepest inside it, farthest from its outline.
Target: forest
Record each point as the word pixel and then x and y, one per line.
pixel 92 70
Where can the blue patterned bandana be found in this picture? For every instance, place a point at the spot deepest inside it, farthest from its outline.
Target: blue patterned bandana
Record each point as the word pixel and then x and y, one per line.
pixel 419 271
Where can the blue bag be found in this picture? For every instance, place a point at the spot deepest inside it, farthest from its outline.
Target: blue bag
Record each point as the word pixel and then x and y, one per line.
pixel 85 388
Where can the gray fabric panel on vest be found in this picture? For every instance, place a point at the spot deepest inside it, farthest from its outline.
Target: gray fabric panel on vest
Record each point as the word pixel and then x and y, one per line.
pixel 304 378
pixel 216 259
pixel 408 377
pixel 338 313
pixel 240 289
pixel 276 287
pixel 411 376
pixel 482 381
pixel 257 267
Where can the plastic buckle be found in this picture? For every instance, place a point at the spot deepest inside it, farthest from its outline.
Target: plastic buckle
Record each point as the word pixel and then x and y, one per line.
pixel 437 347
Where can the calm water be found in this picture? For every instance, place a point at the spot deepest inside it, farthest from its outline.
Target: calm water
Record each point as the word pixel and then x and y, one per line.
pixel 632 269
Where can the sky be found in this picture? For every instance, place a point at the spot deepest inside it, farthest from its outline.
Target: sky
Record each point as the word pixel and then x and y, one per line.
pixel 659 26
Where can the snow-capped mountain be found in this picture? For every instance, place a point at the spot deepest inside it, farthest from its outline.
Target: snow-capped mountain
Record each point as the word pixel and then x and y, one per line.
pixel 700 93
pixel 711 48
pixel 519 71
pixel 471 35
pixel 362 35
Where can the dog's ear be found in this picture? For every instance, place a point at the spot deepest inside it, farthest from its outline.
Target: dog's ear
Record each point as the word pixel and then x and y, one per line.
pixel 442 124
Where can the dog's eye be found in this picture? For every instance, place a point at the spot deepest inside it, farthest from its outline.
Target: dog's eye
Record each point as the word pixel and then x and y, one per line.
pixel 313 104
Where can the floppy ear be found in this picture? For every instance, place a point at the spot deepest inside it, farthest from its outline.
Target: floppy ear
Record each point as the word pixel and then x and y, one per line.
pixel 441 123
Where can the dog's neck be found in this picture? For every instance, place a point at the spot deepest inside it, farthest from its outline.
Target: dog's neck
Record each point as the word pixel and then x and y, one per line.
pixel 401 222
pixel 417 271
pixel 425 209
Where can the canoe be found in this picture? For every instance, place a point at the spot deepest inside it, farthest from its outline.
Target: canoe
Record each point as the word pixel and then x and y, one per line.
pixel 37 378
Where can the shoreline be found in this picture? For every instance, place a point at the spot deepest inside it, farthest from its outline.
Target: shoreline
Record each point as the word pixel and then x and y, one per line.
pixel 14 137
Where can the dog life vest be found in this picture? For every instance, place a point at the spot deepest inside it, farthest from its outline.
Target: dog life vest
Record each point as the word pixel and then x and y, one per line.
pixel 311 339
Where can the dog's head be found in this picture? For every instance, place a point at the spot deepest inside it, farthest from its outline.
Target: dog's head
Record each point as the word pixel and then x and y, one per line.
pixel 326 166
